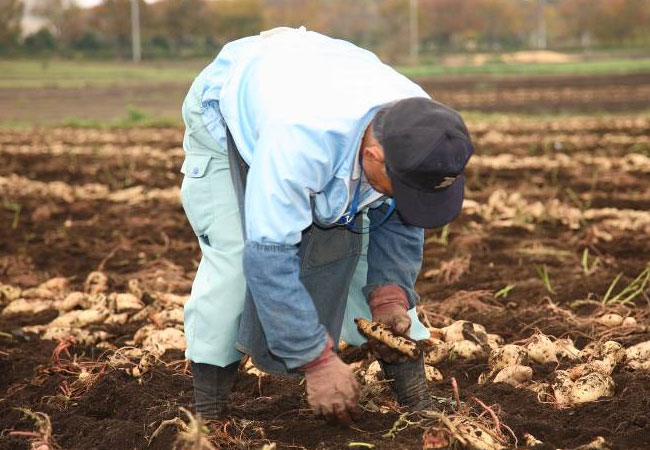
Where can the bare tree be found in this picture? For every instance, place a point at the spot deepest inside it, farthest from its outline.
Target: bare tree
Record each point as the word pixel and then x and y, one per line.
pixel 183 20
pixel 62 18
pixel 11 13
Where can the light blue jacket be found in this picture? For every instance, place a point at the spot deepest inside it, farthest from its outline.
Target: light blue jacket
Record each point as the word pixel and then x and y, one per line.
pixel 297 104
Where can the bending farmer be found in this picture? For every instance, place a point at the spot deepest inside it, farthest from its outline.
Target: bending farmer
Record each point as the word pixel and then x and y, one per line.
pixel 311 170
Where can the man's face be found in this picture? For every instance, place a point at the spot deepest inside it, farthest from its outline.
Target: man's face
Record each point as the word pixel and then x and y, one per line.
pixel 374 165
pixel 377 176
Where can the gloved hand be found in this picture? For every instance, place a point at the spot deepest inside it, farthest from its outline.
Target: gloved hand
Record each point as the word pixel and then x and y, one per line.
pixel 389 305
pixel 332 388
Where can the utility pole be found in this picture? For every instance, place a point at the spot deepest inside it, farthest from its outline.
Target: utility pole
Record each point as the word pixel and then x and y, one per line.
pixel 413 32
pixel 135 30
pixel 541 24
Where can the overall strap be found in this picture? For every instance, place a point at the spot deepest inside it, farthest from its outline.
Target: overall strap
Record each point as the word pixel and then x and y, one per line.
pixel 238 173
pixel 348 219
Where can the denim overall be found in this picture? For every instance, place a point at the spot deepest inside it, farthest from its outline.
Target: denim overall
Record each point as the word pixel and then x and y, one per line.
pixel 328 259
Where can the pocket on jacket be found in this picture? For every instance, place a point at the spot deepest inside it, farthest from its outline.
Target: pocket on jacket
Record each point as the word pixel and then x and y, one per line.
pixel 197 192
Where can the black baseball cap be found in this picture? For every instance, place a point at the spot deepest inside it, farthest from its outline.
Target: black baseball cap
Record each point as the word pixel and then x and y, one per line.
pixel 426 147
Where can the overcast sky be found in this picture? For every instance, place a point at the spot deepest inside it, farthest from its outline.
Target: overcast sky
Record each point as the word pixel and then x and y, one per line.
pixel 32 24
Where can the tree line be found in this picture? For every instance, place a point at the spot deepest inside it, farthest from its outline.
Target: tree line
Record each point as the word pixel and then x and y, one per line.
pixel 189 28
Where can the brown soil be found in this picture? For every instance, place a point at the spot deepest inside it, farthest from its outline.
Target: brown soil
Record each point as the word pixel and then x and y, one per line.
pixel 527 94
pixel 151 240
pixel 542 93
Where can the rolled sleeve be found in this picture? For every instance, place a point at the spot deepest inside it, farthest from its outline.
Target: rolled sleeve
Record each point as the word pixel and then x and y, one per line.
pixel 285 308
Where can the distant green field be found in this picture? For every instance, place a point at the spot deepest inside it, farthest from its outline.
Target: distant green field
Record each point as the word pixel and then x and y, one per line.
pixel 78 74
pixel 75 74
pixel 609 66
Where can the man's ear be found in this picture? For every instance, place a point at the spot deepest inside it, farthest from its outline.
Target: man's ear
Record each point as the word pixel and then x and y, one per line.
pixel 374 153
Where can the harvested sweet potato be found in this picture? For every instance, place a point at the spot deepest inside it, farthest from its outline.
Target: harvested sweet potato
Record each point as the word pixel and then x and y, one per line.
pixel 158 341
pixel 133 287
pixel 587 388
pixel 73 300
pixel 597 444
pixel 9 293
pixel 383 334
pixel 433 374
pixel 58 284
pixel 566 349
pixel 80 335
pixel 435 351
pixel 531 440
pixel 463 330
pixel 629 322
pixel 562 387
pixel 372 374
pixel 613 352
pixel 514 375
pixel 508 355
pixel 124 302
pixel 600 350
pixel 610 320
pixel 541 349
pixel 80 318
pixel 96 283
pixel 639 352
pixel 477 438
pixel 38 293
pixel 467 350
pixel 170 317
pixel 24 306
pixel 117 319
pixel 591 387
pixel 639 365
pixel 595 366
pixel 638 356
pixel 494 341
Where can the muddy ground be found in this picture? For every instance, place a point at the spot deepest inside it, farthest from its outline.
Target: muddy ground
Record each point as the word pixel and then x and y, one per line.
pixel 539 193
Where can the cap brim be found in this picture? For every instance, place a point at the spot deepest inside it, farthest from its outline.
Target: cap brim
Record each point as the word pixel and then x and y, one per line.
pixel 429 210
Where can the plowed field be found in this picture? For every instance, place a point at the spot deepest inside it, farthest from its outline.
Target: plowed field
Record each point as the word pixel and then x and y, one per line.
pixel 554 240
pixel 522 94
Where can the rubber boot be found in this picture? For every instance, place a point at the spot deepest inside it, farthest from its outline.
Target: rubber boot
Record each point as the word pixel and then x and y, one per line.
pixel 212 386
pixel 409 383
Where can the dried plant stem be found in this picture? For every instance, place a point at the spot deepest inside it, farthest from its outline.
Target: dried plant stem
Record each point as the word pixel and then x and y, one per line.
pixel 164 424
pixel 495 418
pixel 454 388
pixel 450 426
